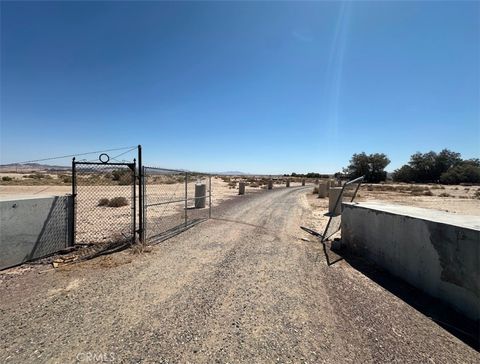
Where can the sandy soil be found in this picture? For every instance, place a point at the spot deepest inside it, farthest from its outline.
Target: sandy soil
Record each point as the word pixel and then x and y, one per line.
pixel 460 199
pixel 246 286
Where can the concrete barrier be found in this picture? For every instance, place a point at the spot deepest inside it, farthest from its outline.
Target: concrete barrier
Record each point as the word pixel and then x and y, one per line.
pixel 435 251
pixel 303 182
pixel 200 195
pixel 333 195
pixel 288 183
pixel 270 184
pixel 322 190
pixel 33 227
pixel 241 188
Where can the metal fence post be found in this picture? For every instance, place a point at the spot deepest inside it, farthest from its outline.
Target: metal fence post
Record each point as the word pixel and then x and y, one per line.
pixel 141 204
pixel 186 198
pixel 73 215
pixel 210 197
pixel 134 204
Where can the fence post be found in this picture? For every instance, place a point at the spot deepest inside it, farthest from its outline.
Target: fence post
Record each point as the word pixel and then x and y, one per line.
pixel 73 216
pixel 210 197
pixel 141 202
pixel 186 198
pixel 134 204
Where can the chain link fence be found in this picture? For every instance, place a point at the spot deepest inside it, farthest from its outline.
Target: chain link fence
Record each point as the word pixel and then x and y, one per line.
pixel 104 202
pixel 173 201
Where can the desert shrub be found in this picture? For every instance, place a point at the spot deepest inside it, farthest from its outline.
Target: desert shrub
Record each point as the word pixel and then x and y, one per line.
pixel 103 202
pixel 118 202
pixel 168 181
pixel 477 194
pixel 35 176
pixel 315 190
pixel 66 179
pixel 467 189
pixel 122 176
pixel 444 194
pixel 232 184
pixel 428 193
pixel 6 179
pixel 254 184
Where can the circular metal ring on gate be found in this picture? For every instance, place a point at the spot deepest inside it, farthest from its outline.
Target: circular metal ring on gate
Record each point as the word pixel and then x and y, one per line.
pixel 104 158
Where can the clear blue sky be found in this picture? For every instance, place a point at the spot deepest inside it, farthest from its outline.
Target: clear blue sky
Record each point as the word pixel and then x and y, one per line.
pixel 257 87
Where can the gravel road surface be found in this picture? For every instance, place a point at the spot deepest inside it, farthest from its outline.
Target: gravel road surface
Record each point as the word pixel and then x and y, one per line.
pixel 242 287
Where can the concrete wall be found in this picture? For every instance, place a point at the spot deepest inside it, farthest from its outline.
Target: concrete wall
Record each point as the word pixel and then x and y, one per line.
pixel 32 228
pixel 436 251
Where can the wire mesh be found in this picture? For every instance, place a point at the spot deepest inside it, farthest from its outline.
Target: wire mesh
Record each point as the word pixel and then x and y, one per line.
pixel 164 206
pixel 104 202
pixel 348 194
pixel 171 203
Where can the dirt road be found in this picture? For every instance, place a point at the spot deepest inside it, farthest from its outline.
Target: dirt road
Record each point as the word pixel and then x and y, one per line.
pixel 242 287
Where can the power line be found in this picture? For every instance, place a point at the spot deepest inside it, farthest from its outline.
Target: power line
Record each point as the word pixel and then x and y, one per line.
pixel 133 148
pixel 78 155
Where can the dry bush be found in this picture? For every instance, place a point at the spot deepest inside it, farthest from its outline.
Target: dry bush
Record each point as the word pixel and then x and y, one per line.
pixel 103 202
pixel 428 193
pixel 65 178
pixel 6 179
pixel 118 202
pixel 467 189
pixel 445 194
pixel 315 190
pixel 232 184
pixel 254 184
pixel 477 194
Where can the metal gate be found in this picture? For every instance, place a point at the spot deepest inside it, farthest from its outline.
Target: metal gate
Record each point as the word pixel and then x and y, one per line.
pixel 105 202
pixel 173 200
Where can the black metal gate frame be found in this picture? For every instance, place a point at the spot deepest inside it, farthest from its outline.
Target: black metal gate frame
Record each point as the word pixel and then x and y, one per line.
pixel 132 166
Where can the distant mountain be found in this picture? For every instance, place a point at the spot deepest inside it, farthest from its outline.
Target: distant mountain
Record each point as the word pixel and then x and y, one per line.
pixel 32 167
pixel 232 173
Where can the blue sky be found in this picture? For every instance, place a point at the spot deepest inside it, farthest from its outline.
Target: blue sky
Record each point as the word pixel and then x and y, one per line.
pixel 261 87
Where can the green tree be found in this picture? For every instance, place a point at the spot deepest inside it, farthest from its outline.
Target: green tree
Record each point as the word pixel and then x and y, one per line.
pixel 404 174
pixel 372 166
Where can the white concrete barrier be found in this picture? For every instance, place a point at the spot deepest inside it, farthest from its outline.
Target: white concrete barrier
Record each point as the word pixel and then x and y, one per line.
pixel 435 251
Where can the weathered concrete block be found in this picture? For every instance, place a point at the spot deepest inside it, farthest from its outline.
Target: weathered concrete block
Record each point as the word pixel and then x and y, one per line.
pixel 435 251
pixel 288 183
pixel 333 195
pixel 270 184
pixel 303 182
pixel 200 195
pixel 322 190
pixel 241 188
pixel 34 227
